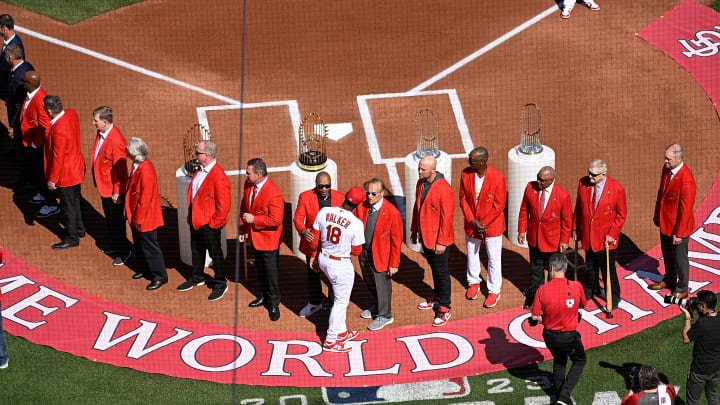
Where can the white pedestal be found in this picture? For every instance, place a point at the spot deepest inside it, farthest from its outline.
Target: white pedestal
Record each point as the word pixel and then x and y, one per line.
pixel 302 180
pixel 444 166
pixel 183 183
pixel 522 168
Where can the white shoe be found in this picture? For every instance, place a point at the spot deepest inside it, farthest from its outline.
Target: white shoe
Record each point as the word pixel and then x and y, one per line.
pixel 592 5
pixel 4 365
pixel 309 309
pixel 566 12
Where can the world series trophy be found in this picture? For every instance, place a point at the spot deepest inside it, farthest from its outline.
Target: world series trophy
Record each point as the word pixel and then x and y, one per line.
pixel 524 162
pixel 313 135
pixel 427 130
pixel 192 138
pixel 312 158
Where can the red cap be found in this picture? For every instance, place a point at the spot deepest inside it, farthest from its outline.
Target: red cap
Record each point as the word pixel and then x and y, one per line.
pixel 355 195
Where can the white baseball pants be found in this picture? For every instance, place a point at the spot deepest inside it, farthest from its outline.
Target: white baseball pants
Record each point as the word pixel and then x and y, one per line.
pixel 493 247
pixel 342 276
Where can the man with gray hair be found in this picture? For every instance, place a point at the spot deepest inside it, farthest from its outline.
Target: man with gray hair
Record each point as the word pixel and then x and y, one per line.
pixel 557 304
pixel 208 209
pixel 600 213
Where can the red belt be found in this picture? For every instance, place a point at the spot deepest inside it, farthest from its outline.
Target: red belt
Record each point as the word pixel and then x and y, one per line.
pixel 336 258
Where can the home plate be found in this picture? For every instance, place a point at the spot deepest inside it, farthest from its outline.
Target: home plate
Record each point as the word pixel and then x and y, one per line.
pixel 338 131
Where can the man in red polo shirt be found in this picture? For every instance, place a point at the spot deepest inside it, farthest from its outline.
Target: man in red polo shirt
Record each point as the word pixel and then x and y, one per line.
pixel 557 304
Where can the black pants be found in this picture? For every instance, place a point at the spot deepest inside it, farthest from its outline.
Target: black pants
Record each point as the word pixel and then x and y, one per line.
pixel 564 345
pixel 677 265
pixel 538 264
pixel 149 255
pixel 597 263
pixel 203 239
pixel 70 206
pixel 266 262
pixel 314 286
pixel 33 169
pixel 379 284
pixel 441 276
pixel 115 221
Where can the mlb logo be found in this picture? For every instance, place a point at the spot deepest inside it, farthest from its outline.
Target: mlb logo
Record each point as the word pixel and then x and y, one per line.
pixel 440 389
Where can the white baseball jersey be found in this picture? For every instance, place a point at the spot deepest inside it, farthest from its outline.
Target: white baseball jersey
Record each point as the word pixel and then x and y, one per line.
pixel 340 230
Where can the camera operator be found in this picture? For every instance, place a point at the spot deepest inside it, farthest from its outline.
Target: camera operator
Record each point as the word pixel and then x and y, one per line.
pixel 705 332
pixel 557 304
pixel 648 390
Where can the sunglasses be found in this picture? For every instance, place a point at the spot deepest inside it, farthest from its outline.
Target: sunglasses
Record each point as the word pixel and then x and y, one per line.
pixel 322 186
pixel 593 175
pixel 200 153
pixel 371 193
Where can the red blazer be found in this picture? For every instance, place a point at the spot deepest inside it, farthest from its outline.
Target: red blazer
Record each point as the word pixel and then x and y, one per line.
pixel 142 201
pixel 35 122
pixel 674 204
pixel 434 219
pixel 490 206
pixel 268 208
pixel 548 232
pixel 110 172
pixel 306 211
pixel 608 219
pixel 387 236
pixel 212 201
pixel 64 163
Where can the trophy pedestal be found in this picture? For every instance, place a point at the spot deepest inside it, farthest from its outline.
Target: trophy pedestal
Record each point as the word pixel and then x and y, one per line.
pixel 522 168
pixel 302 180
pixel 183 184
pixel 444 166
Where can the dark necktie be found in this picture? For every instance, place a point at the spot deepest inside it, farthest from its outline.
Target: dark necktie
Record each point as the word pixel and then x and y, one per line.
pixel 594 199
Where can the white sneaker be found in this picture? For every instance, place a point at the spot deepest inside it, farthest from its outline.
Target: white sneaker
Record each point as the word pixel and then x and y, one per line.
pixel 4 365
pixel 566 12
pixel 592 5
pixel 309 309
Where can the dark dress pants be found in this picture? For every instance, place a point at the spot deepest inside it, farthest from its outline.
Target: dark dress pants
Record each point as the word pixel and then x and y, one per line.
pixel 677 265
pixel 203 239
pixel 149 255
pixel 314 285
pixel 33 169
pixel 115 221
pixel 379 284
pixel 70 206
pixel 596 262
pixel 564 345
pixel 441 276
pixel 538 264
pixel 266 262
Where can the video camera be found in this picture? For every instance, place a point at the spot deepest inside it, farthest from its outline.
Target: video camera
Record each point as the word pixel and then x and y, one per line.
pixel 688 303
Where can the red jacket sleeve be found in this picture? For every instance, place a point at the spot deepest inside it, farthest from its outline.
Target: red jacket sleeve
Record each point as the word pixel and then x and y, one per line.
pixel 620 214
pixel 300 214
pixel 464 196
pixel 498 205
pixel 119 173
pixel 685 206
pixel 446 234
pixel 522 217
pixel 396 239
pixel 566 219
pixel 60 147
pixel 222 201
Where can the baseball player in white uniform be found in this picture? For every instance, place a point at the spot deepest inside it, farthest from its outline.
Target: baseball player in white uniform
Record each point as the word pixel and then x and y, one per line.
pixel 340 234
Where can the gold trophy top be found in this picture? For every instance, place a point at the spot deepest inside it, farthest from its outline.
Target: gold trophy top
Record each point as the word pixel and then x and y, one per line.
pixel 312 135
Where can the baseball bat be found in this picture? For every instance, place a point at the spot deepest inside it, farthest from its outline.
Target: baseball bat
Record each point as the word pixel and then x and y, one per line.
pixel 608 283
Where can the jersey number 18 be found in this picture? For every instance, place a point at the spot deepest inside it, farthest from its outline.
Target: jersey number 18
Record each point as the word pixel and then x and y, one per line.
pixel 333 234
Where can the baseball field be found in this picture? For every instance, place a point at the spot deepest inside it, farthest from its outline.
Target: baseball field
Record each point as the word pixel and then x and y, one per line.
pixel 250 71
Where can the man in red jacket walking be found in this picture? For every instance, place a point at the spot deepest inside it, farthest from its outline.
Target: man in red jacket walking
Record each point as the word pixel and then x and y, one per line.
pixel 674 217
pixel 65 167
pixel 110 176
pixel 483 194
pixel 34 124
pixel 432 221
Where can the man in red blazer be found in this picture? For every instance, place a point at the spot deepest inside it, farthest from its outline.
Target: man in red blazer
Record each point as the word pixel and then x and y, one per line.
pixel 310 202
pixel 545 220
pixel 34 124
pixel 208 208
pixel 65 167
pixel 261 216
pixel 110 176
pixel 432 220
pixel 483 194
pixel 600 213
pixel 380 256
pixel 143 212
pixel 674 217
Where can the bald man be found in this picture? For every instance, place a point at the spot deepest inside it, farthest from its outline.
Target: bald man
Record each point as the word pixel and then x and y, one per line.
pixel 674 217
pixel 310 202
pixel 545 221
pixel 34 124
pixel 432 223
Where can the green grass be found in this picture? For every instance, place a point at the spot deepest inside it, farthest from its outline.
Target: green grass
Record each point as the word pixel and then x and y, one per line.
pixel 716 5
pixel 71 11
pixel 41 375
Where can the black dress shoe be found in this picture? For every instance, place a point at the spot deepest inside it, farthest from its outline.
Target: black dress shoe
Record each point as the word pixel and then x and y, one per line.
pixel 81 233
pixel 65 244
pixel 256 302
pixel 274 314
pixel 137 276
pixel 155 284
